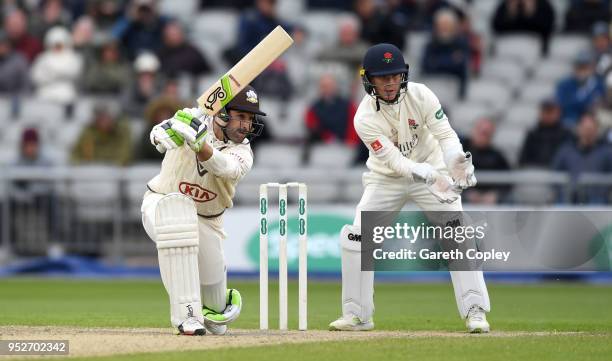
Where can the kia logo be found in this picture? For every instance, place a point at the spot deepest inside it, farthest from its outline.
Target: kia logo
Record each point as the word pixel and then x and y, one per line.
pixel 197 193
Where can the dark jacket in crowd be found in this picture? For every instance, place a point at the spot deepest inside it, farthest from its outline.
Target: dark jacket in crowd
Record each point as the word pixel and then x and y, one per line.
pixel 450 58
pixel 253 27
pixel 487 158
pixel 332 120
pixel 183 59
pixel 542 143
pixel 541 22
pixel 582 14
pixel 13 73
pixel 385 28
pixel 576 98
pixel 576 160
pixel 136 37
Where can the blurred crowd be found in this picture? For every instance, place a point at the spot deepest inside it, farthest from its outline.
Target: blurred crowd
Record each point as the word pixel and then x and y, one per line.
pixel 137 65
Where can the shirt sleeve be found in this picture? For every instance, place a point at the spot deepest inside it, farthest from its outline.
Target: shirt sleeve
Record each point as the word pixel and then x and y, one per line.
pixel 382 147
pixel 438 124
pixel 233 164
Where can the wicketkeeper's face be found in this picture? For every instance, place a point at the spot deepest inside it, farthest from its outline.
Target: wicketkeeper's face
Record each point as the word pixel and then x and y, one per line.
pixel 240 125
pixel 387 87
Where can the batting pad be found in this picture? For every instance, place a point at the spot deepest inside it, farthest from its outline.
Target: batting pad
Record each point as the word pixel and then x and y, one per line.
pixel 176 228
pixel 470 289
pixel 357 285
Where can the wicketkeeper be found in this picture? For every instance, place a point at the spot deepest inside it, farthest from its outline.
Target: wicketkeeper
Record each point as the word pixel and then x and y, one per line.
pixel 182 211
pixel 415 156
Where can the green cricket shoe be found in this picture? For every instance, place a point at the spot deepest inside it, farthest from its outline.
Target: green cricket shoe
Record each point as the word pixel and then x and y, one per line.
pixel 351 324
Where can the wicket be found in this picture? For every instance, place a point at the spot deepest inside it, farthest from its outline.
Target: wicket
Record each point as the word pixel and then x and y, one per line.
pixel 282 256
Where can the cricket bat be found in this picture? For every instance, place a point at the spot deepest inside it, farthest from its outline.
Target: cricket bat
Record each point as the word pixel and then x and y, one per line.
pixel 247 69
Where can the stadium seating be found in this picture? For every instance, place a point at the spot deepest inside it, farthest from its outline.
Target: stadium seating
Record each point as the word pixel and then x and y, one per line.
pixel 331 156
pixel 567 46
pixel 493 94
pixel 278 156
pixel 509 140
pixel 521 116
pixel 463 116
pixel 507 71
pixel 523 48
pixel 551 70
pixel 94 192
pixel 535 91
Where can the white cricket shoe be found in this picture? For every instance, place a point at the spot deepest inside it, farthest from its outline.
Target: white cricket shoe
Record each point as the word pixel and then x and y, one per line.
pixel 476 320
pixel 351 324
pixel 215 329
pixel 192 327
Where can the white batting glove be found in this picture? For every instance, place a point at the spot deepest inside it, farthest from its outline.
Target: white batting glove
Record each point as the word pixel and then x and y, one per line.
pixel 462 170
pixel 188 125
pixel 164 138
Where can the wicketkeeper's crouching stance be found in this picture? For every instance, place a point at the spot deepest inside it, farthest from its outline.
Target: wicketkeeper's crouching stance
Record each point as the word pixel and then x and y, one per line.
pixel 414 156
pixel 182 212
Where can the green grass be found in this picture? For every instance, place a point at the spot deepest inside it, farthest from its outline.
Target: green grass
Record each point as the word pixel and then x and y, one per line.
pixel 538 307
pixel 583 348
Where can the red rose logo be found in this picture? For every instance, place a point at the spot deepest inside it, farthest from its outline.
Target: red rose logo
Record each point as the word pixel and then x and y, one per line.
pixel 411 122
pixel 388 57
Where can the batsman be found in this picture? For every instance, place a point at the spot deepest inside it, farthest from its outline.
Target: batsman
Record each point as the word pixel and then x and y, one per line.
pixel 414 155
pixel 182 211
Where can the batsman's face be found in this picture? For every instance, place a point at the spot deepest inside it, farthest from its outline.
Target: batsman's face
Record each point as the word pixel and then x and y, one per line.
pixel 387 86
pixel 239 126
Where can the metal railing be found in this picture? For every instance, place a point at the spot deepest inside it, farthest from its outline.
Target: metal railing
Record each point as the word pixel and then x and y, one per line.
pixel 95 210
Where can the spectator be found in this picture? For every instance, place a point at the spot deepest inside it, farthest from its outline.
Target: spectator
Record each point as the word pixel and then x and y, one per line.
pixel 56 71
pixel 582 14
pixel 225 4
pixel 142 28
pixel 83 38
pixel 380 27
pixel 13 68
pixel 544 139
pixel 144 88
pixel 160 110
pixel 106 140
pixel 50 14
pixel 429 8
pixel 603 111
pixel 602 48
pixel 15 25
pixel 350 48
pixel 577 93
pixel 32 201
pixel 474 41
pixel 525 16
pixel 447 52
pixel 108 73
pixel 330 118
pixel 253 26
pixel 169 98
pixel 334 5
pixel 179 56
pixel 585 155
pixel 31 156
pixel 274 82
pixel 485 157
pixel 105 13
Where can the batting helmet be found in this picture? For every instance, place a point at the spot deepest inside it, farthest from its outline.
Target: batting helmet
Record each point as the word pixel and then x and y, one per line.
pixel 383 59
